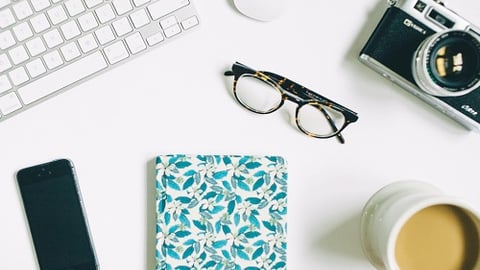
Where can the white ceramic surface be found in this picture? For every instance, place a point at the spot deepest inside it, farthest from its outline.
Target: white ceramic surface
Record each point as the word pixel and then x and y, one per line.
pixel 390 208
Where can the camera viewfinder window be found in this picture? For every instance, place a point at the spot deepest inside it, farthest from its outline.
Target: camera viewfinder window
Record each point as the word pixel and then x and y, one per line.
pixel 439 18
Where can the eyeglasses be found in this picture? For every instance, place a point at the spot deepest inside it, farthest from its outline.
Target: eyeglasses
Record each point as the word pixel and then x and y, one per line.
pixel 264 92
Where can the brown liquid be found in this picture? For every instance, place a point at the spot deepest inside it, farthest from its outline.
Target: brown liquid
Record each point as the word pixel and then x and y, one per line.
pixel 440 237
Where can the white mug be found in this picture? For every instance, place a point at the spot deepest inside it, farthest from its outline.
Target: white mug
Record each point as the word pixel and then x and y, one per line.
pixel 394 207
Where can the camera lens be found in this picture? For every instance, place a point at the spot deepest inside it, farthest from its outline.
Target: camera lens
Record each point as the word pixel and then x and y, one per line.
pixel 454 62
pixel 448 64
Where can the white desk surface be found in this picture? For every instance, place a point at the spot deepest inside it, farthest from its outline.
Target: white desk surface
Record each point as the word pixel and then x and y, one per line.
pixel 176 100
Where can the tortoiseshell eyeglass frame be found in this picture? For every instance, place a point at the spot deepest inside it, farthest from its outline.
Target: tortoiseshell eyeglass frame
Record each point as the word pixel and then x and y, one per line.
pixel 296 93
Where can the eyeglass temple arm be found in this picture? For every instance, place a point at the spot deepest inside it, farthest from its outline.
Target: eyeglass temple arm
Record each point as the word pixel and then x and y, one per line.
pixel 302 91
pixel 293 97
pixel 278 78
pixel 237 68
pixel 325 113
pixel 339 135
pixel 296 92
pixel 308 94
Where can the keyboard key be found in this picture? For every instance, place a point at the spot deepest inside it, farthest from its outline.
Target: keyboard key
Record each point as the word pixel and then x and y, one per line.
pixel 63 77
pixel 87 43
pixel 116 52
pixel 70 30
pixel 87 22
pixel 9 103
pixel 6 18
pixel 18 76
pixel 40 4
pixel 22 31
pixel 190 22
pixel 122 6
pixel 70 51
pixel 4 84
pixel 162 8
pixel 22 10
pixel 169 21
pixel 140 2
pixel 105 13
pixel 172 31
pixel 35 46
pixel 135 43
pixel 92 3
pixel 48 45
pixel 53 59
pixel 6 40
pixel 74 7
pixel 139 18
pixel 4 63
pixel 104 35
pixel 155 39
pixel 35 68
pixel 18 55
pixel 122 26
pixel 4 3
pixel 57 15
pixel 53 38
pixel 40 23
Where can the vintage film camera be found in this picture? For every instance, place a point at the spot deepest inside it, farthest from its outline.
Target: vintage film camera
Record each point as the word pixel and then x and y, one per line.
pixel 433 53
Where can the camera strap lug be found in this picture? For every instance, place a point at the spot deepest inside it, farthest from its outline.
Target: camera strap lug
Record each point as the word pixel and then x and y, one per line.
pixel 392 2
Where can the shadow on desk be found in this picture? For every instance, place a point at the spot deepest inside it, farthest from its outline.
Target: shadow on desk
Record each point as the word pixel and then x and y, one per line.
pixel 372 18
pixel 150 216
pixel 342 241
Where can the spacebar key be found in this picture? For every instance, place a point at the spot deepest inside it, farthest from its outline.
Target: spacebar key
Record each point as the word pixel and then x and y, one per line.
pixel 62 78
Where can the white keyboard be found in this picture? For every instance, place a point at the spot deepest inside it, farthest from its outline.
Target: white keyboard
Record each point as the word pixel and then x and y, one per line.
pixel 48 46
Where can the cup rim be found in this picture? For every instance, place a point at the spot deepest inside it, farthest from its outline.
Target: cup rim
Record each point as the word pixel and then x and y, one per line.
pixel 391 262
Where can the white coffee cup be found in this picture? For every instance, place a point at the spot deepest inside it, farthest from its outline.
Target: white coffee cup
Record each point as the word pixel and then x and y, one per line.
pixel 389 210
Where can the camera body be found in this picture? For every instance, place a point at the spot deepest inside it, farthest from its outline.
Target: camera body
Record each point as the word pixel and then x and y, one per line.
pixel 433 53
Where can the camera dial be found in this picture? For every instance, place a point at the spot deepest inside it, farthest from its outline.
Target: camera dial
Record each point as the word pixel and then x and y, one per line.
pixel 448 64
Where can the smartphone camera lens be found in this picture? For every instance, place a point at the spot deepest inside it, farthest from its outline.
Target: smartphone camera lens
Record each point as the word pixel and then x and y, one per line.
pixel 44 172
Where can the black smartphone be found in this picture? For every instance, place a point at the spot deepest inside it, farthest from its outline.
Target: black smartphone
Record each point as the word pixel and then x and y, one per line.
pixel 56 216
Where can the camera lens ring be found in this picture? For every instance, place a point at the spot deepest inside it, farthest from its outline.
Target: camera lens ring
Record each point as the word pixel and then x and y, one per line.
pixel 448 64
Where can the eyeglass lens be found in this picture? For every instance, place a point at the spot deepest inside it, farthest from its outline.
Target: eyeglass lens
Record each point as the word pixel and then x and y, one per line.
pixel 264 96
pixel 257 95
pixel 319 120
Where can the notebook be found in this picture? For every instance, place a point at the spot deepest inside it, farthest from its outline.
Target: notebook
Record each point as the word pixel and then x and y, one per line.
pixel 221 212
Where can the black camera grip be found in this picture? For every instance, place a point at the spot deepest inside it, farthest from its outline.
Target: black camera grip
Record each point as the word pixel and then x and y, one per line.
pixel 393 42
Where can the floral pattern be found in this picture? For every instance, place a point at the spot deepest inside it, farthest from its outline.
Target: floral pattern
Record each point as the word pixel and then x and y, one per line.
pixel 221 212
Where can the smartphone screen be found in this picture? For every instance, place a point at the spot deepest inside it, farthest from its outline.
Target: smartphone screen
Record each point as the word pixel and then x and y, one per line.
pixel 55 215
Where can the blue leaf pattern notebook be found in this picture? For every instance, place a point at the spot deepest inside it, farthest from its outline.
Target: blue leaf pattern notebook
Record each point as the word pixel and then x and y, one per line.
pixel 221 212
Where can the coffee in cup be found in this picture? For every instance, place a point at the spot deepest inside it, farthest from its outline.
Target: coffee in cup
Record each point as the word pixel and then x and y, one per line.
pixel 411 225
